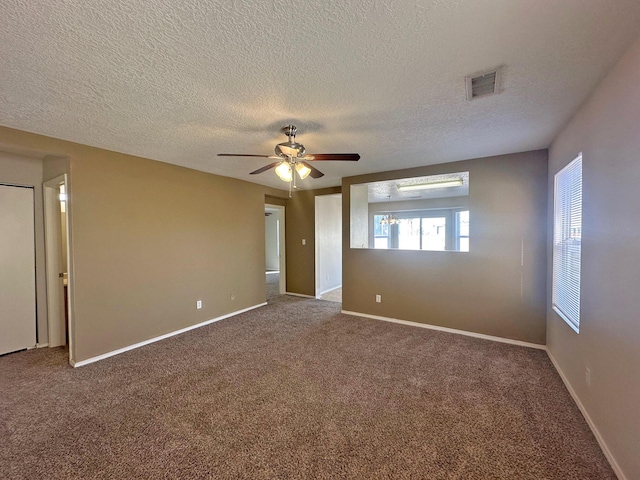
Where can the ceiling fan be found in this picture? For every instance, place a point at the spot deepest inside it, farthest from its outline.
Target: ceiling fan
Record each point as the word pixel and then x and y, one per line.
pixel 292 156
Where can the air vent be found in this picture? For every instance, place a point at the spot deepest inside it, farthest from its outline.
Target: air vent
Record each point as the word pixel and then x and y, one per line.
pixel 483 83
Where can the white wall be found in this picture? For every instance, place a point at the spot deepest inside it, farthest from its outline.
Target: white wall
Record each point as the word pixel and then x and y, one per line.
pixel 607 131
pixel 328 242
pixel 272 258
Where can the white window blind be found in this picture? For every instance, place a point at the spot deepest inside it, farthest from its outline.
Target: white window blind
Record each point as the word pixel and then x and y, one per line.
pixel 567 238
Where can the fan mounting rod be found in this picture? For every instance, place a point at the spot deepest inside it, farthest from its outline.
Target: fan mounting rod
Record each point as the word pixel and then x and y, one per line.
pixel 290 148
pixel 290 131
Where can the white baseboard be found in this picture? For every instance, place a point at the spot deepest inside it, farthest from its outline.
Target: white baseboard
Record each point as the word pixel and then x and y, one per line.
pixel 42 345
pixel 161 337
pixel 328 290
pixel 592 426
pixel 300 295
pixel 449 330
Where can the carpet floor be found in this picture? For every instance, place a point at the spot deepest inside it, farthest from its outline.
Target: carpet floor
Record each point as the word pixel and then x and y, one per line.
pixel 295 389
pixel 273 285
pixel 333 295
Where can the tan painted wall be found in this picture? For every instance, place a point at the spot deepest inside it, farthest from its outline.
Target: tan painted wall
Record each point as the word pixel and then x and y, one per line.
pixel 300 224
pixel 149 239
pixel 21 169
pixel 275 200
pixel 488 290
pixel 607 131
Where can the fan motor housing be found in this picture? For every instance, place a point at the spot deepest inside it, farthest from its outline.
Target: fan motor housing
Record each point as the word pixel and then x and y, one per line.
pixel 290 149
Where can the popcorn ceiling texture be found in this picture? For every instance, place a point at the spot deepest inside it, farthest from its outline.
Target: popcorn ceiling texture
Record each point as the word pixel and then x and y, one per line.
pixel 388 190
pixel 182 80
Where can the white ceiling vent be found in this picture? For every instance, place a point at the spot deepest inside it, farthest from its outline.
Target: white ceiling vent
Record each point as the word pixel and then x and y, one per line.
pixel 483 83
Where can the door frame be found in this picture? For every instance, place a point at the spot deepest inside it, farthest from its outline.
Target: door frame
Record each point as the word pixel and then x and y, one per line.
pixel 282 246
pixel 53 249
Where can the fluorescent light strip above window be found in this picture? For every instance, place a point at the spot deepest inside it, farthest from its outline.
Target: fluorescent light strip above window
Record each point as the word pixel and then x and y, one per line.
pixel 425 186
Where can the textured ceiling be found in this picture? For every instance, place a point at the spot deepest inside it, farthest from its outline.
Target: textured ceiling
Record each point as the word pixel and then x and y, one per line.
pixel 387 191
pixel 182 80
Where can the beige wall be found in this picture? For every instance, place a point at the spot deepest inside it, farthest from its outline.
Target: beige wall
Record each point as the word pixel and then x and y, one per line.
pixel 149 239
pixel 498 288
pixel 22 169
pixel 300 224
pixel 607 131
pixel 276 200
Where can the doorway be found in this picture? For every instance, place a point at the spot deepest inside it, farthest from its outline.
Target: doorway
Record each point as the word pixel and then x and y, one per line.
pixel 56 223
pixel 329 247
pixel 18 272
pixel 275 258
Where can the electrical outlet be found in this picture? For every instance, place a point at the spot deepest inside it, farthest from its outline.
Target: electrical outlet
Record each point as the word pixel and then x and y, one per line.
pixel 378 298
pixel 304 241
pixel 199 304
pixel 232 296
pixel 587 376
pixel 327 278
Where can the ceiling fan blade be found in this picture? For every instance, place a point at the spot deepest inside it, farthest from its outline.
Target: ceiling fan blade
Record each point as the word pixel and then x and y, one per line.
pixel 265 168
pixel 315 173
pixel 241 155
pixel 348 157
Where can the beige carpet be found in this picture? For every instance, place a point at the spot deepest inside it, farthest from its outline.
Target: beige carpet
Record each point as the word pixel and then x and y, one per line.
pixel 273 285
pixel 333 295
pixel 295 390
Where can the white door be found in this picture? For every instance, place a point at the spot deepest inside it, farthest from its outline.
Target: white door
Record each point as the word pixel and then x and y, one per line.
pixel 17 269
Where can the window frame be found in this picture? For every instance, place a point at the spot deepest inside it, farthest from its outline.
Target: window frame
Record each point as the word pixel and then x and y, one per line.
pixel 457 234
pixel 385 235
pixel 566 206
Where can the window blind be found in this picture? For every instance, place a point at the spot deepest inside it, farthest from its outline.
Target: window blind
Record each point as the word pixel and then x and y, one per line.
pixel 567 238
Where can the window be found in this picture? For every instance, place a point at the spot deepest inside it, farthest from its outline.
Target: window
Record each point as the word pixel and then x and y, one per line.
pixel 409 234
pixel 462 231
pixel 567 237
pixel 380 232
pixel 443 229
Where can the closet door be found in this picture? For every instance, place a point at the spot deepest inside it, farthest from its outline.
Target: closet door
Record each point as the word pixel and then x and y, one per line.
pixel 17 269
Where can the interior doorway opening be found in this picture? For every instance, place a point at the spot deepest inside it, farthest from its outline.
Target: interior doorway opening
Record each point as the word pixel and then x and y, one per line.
pixel 328 221
pixel 275 258
pixel 59 278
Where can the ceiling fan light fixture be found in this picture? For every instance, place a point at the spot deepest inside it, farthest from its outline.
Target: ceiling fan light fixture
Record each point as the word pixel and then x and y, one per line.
pixel 284 171
pixel 457 182
pixel 290 155
pixel 303 170
pixel 290 149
